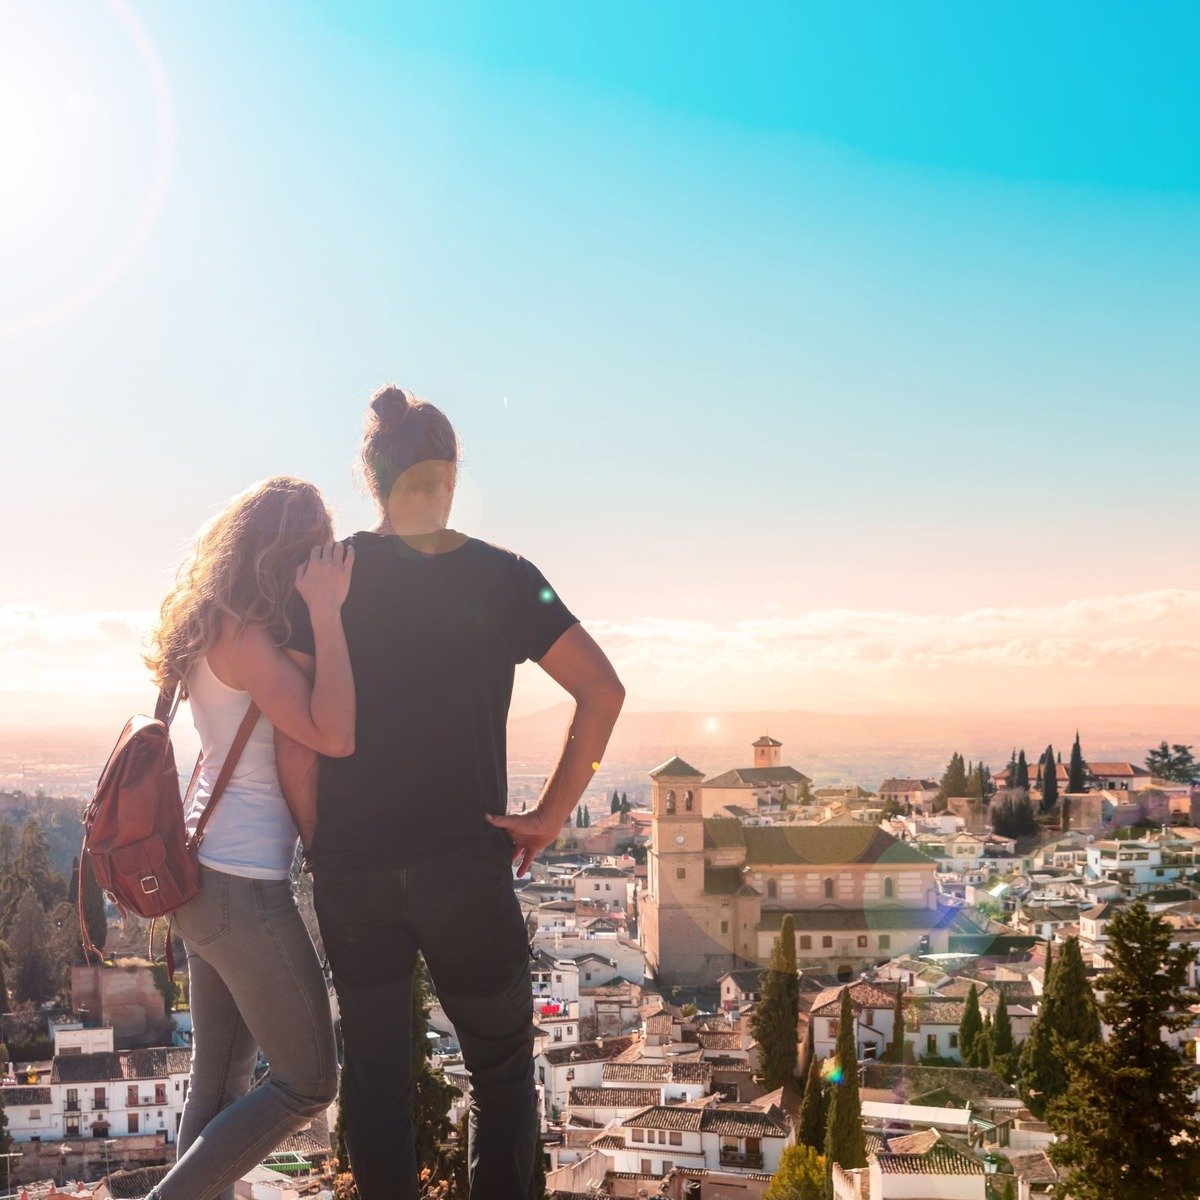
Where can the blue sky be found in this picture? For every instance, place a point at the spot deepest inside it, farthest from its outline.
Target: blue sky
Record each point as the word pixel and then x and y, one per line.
pixel 743 311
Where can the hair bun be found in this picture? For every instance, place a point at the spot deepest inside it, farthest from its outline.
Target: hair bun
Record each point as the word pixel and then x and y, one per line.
pixel 391 405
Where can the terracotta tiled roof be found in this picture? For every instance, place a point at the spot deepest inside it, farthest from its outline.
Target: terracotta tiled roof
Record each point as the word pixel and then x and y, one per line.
pixel 597 1051
pixel 862 995
pixel 109 1066
pixel 908 785
pixel 767 740
pixel 613 1097
pixel 933 1012
pixel 927 1153
pixel 768 845
pixel 313 1142
pixel 24 1094
pixel 657 1072
pixel 756 777
pixel 676 768
pixel 729 1120
pixel 126 1185
pixel 606 1141
pixel 720 1041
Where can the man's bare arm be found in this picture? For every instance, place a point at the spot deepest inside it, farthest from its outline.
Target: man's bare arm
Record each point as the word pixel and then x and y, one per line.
pixel 299 768
pixel 582 669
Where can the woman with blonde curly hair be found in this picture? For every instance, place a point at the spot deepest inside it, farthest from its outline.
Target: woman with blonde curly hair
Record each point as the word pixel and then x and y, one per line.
pixel 255 981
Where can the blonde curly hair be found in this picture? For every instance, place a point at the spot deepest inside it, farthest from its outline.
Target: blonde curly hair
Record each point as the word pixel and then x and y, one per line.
pixel 243 565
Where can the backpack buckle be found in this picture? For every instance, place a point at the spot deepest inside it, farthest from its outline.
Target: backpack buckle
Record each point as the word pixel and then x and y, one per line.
pixel 149 884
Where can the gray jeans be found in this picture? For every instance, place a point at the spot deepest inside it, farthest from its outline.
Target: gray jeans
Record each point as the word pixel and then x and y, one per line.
pixel 256 985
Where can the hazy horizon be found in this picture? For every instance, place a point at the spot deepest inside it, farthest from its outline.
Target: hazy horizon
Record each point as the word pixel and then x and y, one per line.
pixel 864 379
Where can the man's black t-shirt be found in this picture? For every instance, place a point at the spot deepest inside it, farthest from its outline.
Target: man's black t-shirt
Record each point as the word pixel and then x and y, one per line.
pixel 434 640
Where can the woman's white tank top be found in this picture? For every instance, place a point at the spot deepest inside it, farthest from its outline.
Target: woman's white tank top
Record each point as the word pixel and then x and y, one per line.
pixel 251 832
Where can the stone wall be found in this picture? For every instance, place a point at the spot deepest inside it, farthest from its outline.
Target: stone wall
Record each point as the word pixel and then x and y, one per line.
pixel 125 997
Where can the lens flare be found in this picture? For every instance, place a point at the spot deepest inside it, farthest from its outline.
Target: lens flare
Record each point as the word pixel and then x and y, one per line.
pixel 832 1072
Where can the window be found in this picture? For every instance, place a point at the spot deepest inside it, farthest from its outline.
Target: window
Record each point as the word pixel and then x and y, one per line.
pixel 676 1138
pixel 931 1043
pixel 670 804
pixel 827 942
pixel 131 1096
pixel 885 941
pixel 805 941
pixel 889 888
pixel 724 926
pixel 133 1122
pixel 35 1114
pixel 954 1041
pixel 868 1017
pixel 570 1074
pixel 597 887
pixel 680 872
pixel 862 941
pixel 99 1099
pixel 687 800
pixel 829 887
pixel 638 1135
pixel 667 1166
pixel 646 1164
pixel 772 889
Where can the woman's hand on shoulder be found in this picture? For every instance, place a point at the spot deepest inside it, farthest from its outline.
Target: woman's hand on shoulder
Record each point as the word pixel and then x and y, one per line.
pixel 323 579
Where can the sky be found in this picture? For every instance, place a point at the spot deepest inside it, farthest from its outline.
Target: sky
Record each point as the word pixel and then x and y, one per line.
pixel 838 357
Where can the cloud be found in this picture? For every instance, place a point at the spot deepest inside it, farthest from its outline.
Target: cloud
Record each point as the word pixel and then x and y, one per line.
pixel 96 653
pixel 1136 648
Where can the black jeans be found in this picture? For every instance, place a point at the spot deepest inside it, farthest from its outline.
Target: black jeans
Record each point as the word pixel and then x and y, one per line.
pixel 458 910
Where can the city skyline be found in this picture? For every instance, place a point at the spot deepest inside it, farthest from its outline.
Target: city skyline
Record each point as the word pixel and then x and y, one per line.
pixel 819 363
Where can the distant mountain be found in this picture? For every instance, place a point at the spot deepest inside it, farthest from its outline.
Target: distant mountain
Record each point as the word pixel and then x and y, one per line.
pixel 866 747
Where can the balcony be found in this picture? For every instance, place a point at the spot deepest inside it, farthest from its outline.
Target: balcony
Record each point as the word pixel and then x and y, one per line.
pixel 72 1106
pixel 743 1159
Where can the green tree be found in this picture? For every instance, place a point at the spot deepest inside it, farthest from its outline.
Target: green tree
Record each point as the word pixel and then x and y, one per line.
pixel 895 1048
pixel 805 794
pixel 981 1047
pixel 614 805
pixel 1175 762
pixel 954 780
pixel 94 917
pixel 810 1127
pixel 1022 771
pixel 775 1018
pixel 971 1024
pixel 844 1140
pixel 34 867
pixel 1049 775
pixel 801 1175
pixel 1076 780
pixel 537 1187
pixel 1126 1124
pixel 8 848
pixel 1066 1017
pixel 35 977
pixel 432 1094
pixel 1009 1193
pixel 1002 1034
pixel 625 806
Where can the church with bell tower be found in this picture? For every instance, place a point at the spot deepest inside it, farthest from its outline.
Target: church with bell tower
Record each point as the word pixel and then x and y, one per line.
pixel 724 868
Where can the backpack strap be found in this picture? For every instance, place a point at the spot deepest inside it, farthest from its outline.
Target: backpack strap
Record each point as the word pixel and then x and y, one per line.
pixel 245 729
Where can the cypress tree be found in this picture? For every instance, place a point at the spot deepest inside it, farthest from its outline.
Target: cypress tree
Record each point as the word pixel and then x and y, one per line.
pixel 1009 1194
pixel 1049 781
pixel 1075 777
pixel 33 866
pixel 1067 1017
pixel 971 1025
pixel 34 971
pixel 432 1094
pixel 1022 771
pixel 94 916
pixel 1002 1033
pixel 895 1049
pixel 614 805
pixel 810 1128
pixel 844 1140
pixel 981 1048
pixel 775 1018
pixel 1126 1124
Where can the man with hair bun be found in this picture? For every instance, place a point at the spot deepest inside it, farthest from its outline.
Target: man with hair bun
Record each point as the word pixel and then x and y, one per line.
pixel 408 838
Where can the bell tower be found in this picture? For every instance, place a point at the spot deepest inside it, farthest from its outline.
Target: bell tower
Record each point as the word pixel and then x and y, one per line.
pixel 767 751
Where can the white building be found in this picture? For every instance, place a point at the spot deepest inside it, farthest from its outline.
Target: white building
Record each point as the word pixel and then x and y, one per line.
pixel 606 887
pixel 96 1091
pixel 706 1136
